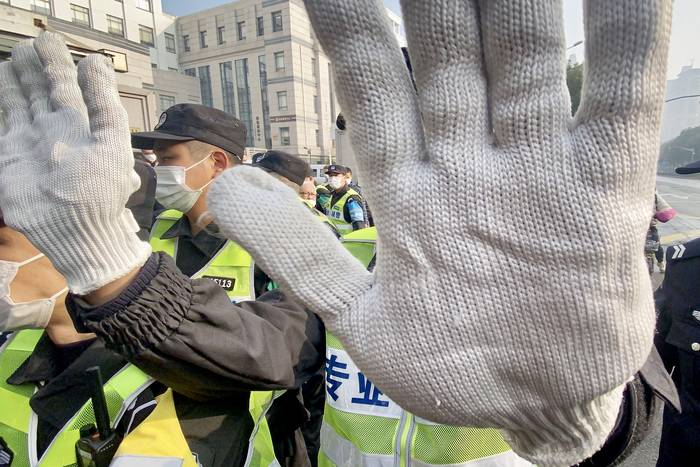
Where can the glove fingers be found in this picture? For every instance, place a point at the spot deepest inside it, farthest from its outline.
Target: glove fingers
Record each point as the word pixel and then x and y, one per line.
pixel 28 69
pixel 626 58
pixel 524 53
pixel 64 94
pixel 373 83
pixel 446 56
pixel 288 242
pixel 14 108
pixel 109 122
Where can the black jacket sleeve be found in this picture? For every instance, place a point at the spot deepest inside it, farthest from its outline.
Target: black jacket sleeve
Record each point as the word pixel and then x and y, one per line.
pixel 188 335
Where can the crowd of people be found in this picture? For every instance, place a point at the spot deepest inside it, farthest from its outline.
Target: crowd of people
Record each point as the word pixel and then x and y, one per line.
pixel 240 314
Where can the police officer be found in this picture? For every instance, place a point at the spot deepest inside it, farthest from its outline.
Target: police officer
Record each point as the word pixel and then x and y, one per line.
pixel 678 342
pixel 44 401
pixel 346 206
pixel 194 144
pixel 295 173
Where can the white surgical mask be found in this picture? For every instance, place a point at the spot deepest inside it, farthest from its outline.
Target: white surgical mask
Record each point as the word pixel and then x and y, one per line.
pixel 34 314
pixel 310 202
pixel 336 182
pixel 172 191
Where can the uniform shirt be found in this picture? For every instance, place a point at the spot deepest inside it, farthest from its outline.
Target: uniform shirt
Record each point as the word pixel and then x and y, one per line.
pixel 195 251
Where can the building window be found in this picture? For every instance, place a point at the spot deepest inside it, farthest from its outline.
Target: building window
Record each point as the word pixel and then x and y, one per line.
pixel 144 4
pixel 115 25
pixel 318 138
pixel 166 102
pixel 241 30
pixel 186 42
pixel 173 69
pixel 279 61
pixel 80 15
pixel 281 100
pixel 202 39
pixel 285 139
pixel 226 72
pixel 42 6
pixel 244 111
pixel 169 42
pixel 261 26
pixel 190 72
pixel 276 21
pixel 316 105
pixel 205 85
pixel 220 37
pixel 146 35
pixel 154 66
pixel 262 64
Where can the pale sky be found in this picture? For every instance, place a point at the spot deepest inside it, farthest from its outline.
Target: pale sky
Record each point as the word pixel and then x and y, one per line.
pixel 685 38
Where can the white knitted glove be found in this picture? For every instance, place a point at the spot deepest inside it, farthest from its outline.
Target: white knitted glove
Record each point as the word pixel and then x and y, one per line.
pixel 66 167
pixel 520 300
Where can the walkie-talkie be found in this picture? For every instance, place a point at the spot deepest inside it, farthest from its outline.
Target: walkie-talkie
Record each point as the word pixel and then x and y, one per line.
pixel 97 445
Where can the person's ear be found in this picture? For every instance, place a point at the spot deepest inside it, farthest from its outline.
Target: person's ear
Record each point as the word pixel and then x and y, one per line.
pixel 221 162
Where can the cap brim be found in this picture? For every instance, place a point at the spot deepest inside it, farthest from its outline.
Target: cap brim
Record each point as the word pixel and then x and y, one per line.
pixel 692 168
pixel 147 139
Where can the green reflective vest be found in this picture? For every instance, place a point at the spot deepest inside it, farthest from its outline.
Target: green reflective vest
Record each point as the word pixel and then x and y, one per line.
pixel 232 267
pixel 363 427
pixel 18 423
pixel 336 212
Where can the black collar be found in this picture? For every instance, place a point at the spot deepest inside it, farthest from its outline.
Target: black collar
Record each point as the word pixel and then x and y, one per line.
pixel 207 240
pixel 61 394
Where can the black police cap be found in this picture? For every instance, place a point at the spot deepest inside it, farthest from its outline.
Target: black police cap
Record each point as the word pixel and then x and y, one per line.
pixel 337 169
pixel 291 167
pixel 189 122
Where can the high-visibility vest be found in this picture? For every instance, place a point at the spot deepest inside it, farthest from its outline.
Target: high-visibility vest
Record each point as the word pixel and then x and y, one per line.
pixel 323 195
pixel 336 212
pixel 158 441
pixel 18 423
pixel 232 267
pixel 363 427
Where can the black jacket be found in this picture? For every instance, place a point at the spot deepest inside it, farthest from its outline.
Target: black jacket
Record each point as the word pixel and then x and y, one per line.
pixel 189 336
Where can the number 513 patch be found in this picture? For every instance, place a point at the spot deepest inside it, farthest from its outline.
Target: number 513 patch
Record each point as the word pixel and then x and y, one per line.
pixel 225 283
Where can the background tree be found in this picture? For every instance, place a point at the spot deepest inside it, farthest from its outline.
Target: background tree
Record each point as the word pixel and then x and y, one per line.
pixel 574 80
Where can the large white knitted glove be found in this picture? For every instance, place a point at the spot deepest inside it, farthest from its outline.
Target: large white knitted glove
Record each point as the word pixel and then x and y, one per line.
pixel 514 294
pixel 66 167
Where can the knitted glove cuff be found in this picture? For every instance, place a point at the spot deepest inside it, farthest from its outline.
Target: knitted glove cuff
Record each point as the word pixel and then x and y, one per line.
pixel 92 252
pixel 566 436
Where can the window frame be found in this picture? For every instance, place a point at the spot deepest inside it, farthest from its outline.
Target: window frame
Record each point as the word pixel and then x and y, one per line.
pixel 277 14
pixel 203 39
pixel 110 20
pixel 143 28
pixel 138 4
pixel 288 137
pixel 220 39
pixel 170 40
pixel 277 56
pixel 260 26
pixel 160 101
pixel 186 43
pixel 240 30
pixel 282 94
pixel 73 8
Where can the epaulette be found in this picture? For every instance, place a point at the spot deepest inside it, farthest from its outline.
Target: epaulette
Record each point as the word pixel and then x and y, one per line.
pixel 675 253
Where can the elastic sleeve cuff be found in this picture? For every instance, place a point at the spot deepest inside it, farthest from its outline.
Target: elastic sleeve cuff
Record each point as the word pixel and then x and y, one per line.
pixel 82 312
pixel 567 436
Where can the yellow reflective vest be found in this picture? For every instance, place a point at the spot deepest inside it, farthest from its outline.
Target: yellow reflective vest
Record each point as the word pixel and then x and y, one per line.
pixel 336 212
pixel 18 423
pixel 232 267
pixel 158 441
pixel 363 427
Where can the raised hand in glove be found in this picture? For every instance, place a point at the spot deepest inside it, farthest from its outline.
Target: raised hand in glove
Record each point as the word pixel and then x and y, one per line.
pixel 489 306
pixel 66 166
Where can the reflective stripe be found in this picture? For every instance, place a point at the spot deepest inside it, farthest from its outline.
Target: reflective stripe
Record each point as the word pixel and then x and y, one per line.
pixel 342 452
pixel 505 459
pixel 336 212
pixel 146 461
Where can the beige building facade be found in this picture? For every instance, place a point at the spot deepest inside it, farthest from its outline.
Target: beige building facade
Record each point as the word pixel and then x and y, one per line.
pixel 258 60
pixel 139 36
